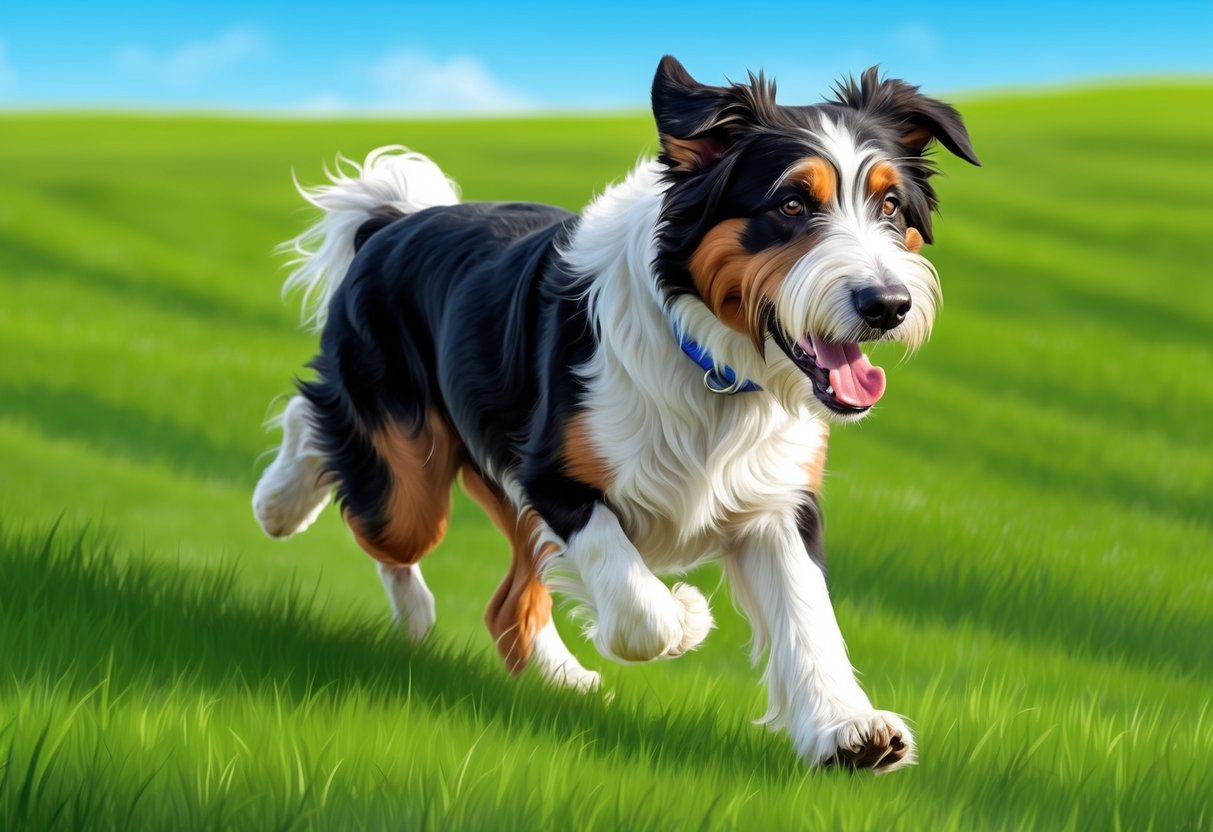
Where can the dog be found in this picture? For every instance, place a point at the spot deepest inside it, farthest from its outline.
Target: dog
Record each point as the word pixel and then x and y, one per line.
pixel 631 391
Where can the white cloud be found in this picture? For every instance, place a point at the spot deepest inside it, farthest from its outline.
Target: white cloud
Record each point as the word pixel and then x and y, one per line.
pixel 416 82
pixel 193 62
pixel 917 40
pixel 7 76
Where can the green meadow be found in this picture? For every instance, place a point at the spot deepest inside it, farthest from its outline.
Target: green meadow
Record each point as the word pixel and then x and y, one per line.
pixel 1020 540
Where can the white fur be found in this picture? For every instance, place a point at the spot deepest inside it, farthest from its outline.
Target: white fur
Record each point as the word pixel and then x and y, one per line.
pixel 634 617
pixel 553 661
pixel 411 600
pixel 855 248
pixel 813 694
pixel 686 463
pixel 697 475
pixel 294 489
pixel 391 178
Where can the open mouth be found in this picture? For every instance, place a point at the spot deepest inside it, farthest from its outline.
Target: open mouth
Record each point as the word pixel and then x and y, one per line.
pixel 843 378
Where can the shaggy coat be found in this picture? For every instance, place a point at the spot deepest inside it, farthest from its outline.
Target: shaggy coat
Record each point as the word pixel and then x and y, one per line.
pixel 630 391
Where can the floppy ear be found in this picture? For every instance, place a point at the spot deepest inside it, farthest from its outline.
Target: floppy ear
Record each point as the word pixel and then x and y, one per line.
pixel 918 118
pixel 929 118
pixel 697 123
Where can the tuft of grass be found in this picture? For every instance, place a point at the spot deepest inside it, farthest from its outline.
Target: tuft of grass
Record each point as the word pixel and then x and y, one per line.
pixel 1020 540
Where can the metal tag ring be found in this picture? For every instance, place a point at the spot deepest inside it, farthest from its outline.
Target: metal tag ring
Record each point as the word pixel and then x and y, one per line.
pixel 717 383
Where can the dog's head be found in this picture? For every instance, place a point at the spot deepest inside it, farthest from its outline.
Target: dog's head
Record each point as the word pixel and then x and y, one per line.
pixel 801 226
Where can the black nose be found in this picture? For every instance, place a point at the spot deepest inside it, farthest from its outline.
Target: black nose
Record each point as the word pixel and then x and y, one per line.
pixel 884 306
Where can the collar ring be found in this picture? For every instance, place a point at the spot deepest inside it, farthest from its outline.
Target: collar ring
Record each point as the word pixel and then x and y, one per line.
pixel 717 382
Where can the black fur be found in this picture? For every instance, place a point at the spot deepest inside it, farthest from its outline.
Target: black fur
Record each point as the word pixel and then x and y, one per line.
pixel 811 523
pixel 469 311
pixel 747 141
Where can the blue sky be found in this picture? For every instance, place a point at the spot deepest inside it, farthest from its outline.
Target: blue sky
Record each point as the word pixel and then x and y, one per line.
pixel 470 57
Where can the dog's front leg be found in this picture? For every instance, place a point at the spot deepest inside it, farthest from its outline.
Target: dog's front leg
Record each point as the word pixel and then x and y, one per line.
pixel 814 695
pixel 636 618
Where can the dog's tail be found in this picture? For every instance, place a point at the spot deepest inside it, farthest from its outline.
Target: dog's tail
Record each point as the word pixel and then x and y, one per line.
pixel 393 182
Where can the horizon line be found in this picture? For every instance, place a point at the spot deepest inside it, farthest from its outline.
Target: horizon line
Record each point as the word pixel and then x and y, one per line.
pixel 378 112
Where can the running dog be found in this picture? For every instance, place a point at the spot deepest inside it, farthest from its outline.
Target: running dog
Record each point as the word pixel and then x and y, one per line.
pixel 631 391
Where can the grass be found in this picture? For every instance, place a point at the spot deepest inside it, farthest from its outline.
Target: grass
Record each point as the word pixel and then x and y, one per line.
pixel 1020 540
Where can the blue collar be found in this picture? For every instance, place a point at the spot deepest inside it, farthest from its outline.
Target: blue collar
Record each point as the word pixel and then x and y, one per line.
pixel 717 379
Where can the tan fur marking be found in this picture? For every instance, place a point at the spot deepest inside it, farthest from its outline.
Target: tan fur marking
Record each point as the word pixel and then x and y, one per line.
pixel 582 461
pixel 521 606
pixel 882 177
pixel 419 505
pixel 735 283
pixel 816 176
pixel 913 240
pixel 688 154
pixel 917 138
pixel 815 468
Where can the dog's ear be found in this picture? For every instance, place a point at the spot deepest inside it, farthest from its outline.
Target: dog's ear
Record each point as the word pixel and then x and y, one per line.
pixel 917 118
pixel 698 123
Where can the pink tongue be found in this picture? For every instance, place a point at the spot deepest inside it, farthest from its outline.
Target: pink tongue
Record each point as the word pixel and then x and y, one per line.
pixel 855 381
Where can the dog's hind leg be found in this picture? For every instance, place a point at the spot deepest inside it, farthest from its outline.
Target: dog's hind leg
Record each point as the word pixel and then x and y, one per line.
pixel 396 499
pixel 295 487
pixel 520 614
pixel 412 602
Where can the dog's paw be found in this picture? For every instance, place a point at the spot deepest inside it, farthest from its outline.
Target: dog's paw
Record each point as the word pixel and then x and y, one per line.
pixel 695 617
pixel 645 624
pixel 573 677
pixel 294 488
pixel 876 740
pixel 284 507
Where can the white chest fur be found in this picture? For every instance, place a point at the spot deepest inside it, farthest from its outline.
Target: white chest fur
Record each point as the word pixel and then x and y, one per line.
pixel 689 467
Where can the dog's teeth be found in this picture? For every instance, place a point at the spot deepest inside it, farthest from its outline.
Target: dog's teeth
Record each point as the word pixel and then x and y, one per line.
pixel 830 389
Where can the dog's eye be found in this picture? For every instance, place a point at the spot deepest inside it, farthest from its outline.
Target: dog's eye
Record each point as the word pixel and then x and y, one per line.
pixel 792 208
pixel 890 208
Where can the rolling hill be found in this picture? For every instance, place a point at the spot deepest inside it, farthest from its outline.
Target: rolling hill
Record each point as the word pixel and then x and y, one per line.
pixel 1021 540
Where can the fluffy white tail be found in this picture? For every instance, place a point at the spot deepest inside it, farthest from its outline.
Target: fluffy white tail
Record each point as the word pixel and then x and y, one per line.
pixel 391 181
